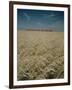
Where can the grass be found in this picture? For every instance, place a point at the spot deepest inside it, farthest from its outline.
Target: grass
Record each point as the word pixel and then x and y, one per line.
pixel 40 55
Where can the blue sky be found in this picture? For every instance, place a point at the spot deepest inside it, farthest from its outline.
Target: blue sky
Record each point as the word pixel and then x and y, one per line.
pixel 40 19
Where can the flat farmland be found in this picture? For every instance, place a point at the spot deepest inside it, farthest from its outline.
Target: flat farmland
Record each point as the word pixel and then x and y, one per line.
pixel 40 55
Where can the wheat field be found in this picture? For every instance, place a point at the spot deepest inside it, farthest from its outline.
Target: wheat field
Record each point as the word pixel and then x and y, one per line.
pixel 40 55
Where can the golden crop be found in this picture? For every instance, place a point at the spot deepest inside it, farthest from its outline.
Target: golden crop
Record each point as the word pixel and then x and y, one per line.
pixel 40 55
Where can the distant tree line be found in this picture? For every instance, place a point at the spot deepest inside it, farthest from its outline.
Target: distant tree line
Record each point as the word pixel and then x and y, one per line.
pixel 40 30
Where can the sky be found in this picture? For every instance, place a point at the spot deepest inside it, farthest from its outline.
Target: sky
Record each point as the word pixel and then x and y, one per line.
pixel 40 19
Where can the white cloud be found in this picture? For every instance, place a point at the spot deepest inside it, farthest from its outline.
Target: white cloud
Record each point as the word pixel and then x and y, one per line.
pixel 47 16
pixel 52 15
pixel 39 23
pixel 27 16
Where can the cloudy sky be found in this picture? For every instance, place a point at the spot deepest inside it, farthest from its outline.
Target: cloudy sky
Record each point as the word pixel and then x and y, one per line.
pixel 40 19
